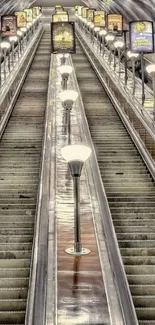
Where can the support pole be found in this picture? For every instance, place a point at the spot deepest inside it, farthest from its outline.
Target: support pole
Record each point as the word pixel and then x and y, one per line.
pixel 153 96
pixel 77 232
pixel 142 74
pixel 125 56
pixel 133 74
pixel 68 125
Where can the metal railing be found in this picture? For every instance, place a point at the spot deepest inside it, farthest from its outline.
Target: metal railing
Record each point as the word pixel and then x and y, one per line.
pixel 141 125
pixel 12 86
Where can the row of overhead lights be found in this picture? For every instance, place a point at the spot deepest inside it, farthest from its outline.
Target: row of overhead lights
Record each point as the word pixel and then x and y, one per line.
pixel 74 155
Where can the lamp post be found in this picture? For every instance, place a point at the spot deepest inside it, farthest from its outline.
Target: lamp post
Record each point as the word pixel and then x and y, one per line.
pixel 95 30
pixel 91 31
pixel 68 98
pixel 24 31
pixel 65 71
pixel 109 39
pixel 133 56
pixel 76 155
pixel 5 46
pixel 20 34
pixel 102 34
pixel 88 26
pixel 12 40
pixel 151 70
pixel 119 46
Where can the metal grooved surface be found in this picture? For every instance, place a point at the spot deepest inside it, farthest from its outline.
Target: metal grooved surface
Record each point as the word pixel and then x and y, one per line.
pixel 129 187
pixel 20 154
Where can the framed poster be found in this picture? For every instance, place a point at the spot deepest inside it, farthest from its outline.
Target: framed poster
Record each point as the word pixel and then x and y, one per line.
pixel 84 12
pixel 90 15
pixel 99 18
pixel 63 37
pixel 61 16
pixel 29 15
pixel 8 25
pixel 76 9
pixel 80 10
pixel 58 7
pixel 35 12
pixel 21 18
pixel 141 36
pixel 115 23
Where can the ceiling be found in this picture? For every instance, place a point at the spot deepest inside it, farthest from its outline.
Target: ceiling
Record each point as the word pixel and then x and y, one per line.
pixel 130 9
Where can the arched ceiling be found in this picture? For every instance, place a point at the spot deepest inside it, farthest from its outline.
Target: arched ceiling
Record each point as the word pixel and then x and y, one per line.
pixel 131 9
pixel 10 6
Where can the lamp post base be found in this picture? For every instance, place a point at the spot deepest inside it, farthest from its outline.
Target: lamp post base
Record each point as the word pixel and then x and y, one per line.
pixel 72 251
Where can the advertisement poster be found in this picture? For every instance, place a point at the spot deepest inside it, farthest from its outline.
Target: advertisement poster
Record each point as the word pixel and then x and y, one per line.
pixel 99 19
pixel 90 15
pixel 80 10
pixel 61 16
pixel 21 18
pixel 141 36
pixel 8 25
pixel 59 8
pixel 35 12
pixel 115 23
pixel 84 12
pixel 76 9
pixel 29 15
pixel 63 37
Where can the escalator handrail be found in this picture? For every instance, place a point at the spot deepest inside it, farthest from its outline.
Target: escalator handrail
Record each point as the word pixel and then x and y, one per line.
pixel 35 312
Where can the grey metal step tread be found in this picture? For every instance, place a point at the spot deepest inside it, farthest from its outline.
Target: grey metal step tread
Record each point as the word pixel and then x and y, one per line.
pixel 146 313
pixel 136 244
pixel 16 317
pixel 139 260
pixel 124 177
pixel 4 238
pixel 141 301
pixel 133 222
pixel 141 279
pixel 12 305
pixel 16 272
pixel 130 269
pixel 145 322
pixel 14 283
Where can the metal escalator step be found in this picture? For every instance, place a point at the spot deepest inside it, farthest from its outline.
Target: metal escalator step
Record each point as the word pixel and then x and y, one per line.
pixel 16 273
pixel 12 317
pixel 136 243
pixel 142 290
pixel 12 304
pixel 141 301
pixel 14 283
pixel 16 238
pixel 146 313
pixel 129 188
pixel 141 279
pixel 13 293
pixel 20 154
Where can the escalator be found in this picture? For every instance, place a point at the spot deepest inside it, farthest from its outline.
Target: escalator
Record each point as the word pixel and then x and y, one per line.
pixel 20 157
pixel 129 188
